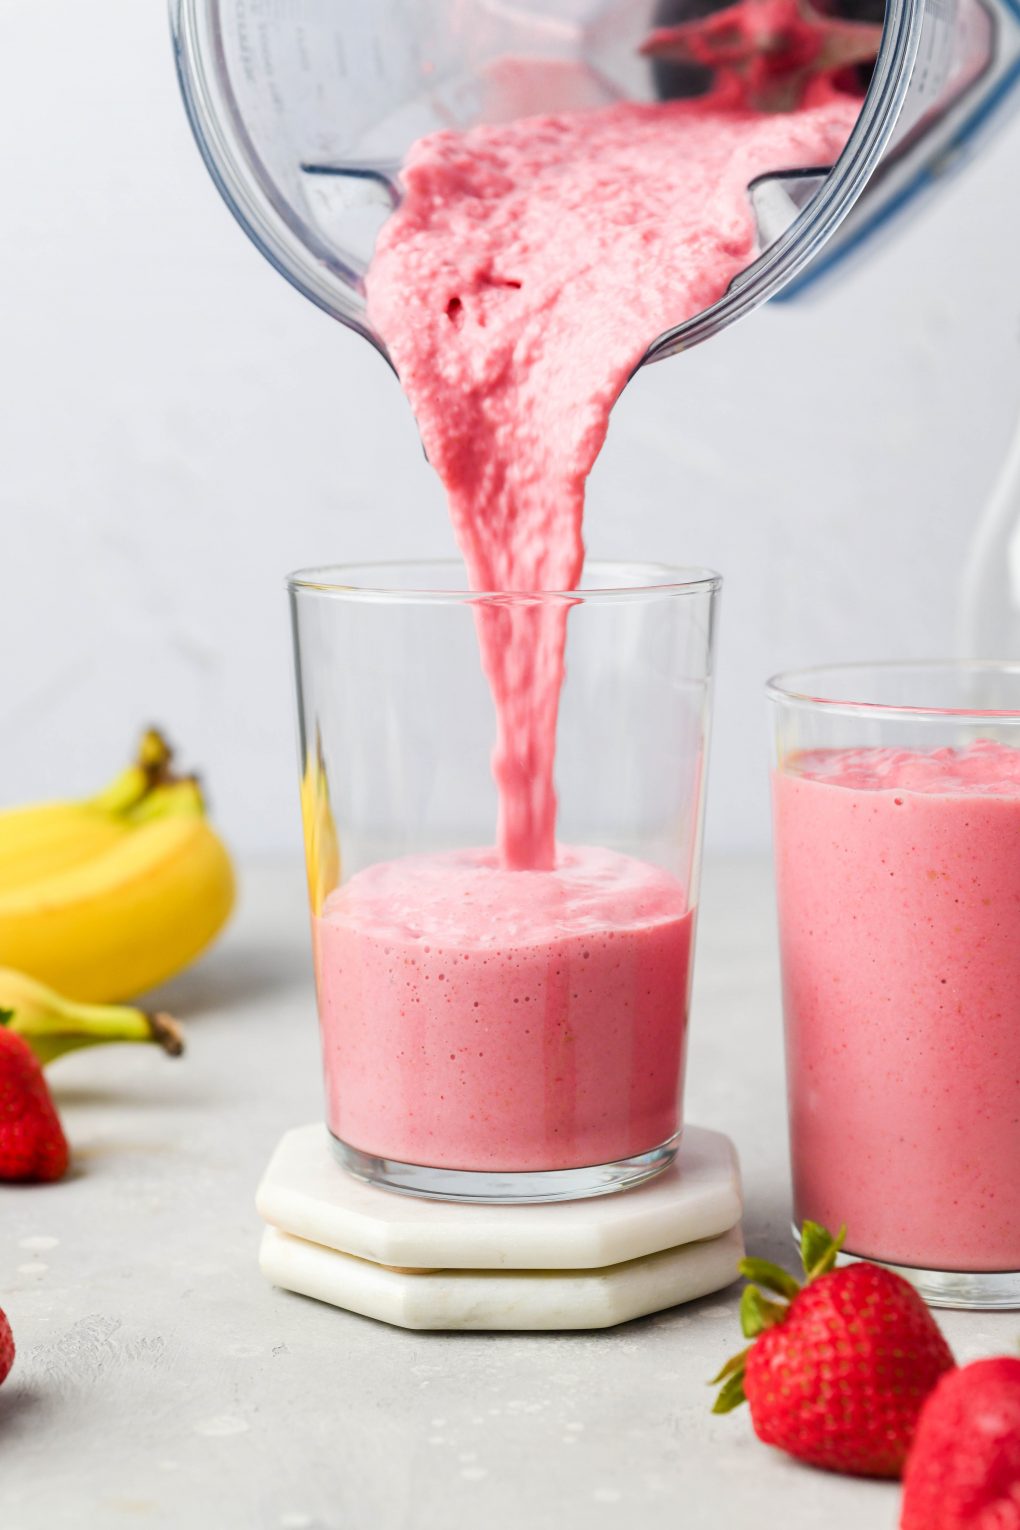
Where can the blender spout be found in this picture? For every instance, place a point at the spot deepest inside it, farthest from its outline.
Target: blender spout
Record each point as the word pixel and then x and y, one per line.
pixel 367 185
pixel 778 200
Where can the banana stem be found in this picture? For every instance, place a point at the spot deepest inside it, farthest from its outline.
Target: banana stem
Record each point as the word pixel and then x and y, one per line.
pixel 166 1033
pixel 150 768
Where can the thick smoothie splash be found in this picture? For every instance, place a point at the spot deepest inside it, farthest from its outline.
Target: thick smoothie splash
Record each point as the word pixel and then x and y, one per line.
pixel 517 287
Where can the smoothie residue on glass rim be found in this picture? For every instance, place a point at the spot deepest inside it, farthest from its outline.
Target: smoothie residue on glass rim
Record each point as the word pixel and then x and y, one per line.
pixel 518 285
pixel 898 879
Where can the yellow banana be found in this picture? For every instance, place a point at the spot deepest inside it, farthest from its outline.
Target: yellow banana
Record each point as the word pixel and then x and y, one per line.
pixel 50 839
pixel 182 795
pixel 126 889
pixel 149 768
pixel 46 838
pixel 322 849
pixel 126 920
pixel 53 1025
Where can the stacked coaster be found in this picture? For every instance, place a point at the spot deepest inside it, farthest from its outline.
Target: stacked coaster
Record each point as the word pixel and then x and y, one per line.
pixel 438 1264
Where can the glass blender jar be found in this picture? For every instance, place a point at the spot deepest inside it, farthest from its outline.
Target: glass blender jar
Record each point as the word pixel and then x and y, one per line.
pixel 304 109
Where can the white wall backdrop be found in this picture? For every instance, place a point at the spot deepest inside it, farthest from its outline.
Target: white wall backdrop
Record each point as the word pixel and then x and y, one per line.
pixel 178 428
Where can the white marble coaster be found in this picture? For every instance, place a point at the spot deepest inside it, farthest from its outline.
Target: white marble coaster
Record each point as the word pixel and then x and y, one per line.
pixel 305 1192
pixel 494 1299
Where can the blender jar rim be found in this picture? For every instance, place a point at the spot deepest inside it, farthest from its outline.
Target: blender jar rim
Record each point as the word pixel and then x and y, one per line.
pixel 300 254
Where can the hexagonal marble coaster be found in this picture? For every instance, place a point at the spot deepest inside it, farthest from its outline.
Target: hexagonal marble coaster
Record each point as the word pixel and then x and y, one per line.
pixel 497 1299
pixel 306 1193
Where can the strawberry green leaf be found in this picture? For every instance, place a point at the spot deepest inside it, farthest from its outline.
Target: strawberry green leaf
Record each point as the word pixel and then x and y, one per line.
pixel 731 1396
pixel 771 1277
pixel 6 1016
pixel 757 1313
pixel 819 1249
pixel 733 1367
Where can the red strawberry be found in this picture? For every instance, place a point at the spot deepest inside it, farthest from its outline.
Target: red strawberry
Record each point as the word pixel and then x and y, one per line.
pixel 840 1369
pixel 6 1347
pixel 963 1472
pixel 32 1141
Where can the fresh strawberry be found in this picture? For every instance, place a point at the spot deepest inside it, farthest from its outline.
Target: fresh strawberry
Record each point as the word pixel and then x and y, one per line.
pixel 32 1141
pixel 840 1367
pixel 963 1472
pixel 6 1347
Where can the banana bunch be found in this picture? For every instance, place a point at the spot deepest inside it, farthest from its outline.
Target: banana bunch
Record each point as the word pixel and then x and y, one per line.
pixel 105 897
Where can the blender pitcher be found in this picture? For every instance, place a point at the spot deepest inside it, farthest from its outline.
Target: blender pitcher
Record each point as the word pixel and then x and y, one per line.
pixel 304 109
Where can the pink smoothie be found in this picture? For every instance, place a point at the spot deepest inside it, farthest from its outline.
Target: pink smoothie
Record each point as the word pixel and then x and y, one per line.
pixel 517 287
pixel 898 878
pixel 477 1018
pixel 525 1008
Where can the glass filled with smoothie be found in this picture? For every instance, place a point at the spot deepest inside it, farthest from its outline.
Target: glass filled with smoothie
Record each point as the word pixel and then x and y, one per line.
pixel 506 759
pixel 896 792
pixel 502 797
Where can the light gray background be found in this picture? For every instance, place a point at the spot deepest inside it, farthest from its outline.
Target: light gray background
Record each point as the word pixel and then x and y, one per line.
pixel 178 428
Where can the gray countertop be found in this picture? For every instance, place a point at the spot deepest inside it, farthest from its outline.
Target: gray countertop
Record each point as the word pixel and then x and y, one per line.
pixel 161 1382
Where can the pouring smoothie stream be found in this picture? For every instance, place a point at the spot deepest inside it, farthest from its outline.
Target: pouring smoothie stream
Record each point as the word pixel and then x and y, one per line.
pixel 524 1007
pixel 517 288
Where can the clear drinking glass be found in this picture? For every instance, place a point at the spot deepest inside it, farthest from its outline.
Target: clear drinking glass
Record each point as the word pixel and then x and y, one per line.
pixel 896 792
pixel 492 1034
